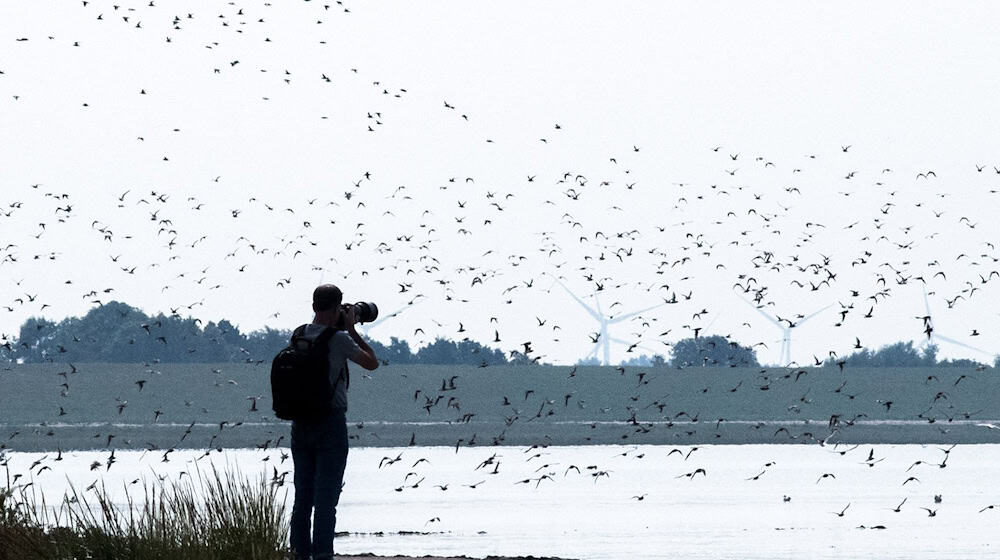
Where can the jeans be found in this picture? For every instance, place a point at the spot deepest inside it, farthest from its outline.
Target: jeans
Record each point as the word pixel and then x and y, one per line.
pixel 319 453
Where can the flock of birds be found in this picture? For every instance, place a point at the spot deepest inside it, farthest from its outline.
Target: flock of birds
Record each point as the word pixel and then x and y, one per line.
pixel 745 236
pixel 481 254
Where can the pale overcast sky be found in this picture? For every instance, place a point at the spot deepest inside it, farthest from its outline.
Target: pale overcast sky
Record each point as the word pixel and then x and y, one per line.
pixel 220 159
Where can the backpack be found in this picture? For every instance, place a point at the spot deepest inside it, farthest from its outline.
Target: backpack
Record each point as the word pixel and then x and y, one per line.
pixel 300 378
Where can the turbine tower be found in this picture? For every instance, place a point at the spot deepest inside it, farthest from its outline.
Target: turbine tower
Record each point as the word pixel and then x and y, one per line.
pixel 933 337
pixel 786 330
pixel 604 339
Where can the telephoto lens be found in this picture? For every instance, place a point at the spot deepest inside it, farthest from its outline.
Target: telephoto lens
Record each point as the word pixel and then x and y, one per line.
pixel 365 311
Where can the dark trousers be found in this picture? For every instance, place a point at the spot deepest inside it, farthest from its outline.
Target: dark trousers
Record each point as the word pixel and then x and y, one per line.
pixel 319 452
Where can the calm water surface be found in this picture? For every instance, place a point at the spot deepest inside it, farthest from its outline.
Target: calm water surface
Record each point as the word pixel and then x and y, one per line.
pixel 753 501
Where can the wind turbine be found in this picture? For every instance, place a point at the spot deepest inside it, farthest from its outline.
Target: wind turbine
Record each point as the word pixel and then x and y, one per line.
pixel 604 339
pixel 933 336
pixel 786 331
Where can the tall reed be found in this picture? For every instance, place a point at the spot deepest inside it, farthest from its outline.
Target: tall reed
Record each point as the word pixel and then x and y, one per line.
pixel 215 516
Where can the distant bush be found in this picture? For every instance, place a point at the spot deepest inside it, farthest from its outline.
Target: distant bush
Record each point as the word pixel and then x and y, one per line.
pixel 712 351
pixel 900 354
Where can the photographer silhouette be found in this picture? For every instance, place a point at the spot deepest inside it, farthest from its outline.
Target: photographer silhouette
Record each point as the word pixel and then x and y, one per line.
pixel 319 447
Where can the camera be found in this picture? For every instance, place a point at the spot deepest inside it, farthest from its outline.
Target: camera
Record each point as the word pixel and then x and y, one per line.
pixel 364 312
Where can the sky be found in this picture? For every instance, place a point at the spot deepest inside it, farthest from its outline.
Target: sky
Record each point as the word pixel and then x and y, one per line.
pixel 451 161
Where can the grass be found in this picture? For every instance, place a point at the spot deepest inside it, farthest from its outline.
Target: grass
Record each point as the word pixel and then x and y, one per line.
pixel 217 516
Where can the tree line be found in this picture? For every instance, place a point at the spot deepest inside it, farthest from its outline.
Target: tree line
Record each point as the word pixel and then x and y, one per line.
pixel 703 351
pixel 902 354
pixel 719 351
pixel 118 333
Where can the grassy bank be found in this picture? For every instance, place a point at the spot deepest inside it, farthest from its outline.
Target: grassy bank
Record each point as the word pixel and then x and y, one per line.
pixel 218 515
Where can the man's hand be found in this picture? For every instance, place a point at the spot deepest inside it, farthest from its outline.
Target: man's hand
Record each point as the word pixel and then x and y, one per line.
pixel 366 357
pixel 350 319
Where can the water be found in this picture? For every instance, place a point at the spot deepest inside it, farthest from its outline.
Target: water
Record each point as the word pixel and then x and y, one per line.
pixel 574 514
pixel 510 405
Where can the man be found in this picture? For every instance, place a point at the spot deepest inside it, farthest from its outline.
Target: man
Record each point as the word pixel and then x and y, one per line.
pixel 319 449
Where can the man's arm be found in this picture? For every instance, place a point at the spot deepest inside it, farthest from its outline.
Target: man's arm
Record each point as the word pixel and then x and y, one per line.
pixel 366 357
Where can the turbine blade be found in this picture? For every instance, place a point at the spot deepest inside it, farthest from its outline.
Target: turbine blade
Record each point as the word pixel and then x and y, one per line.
pixel 378 321
pixel 806 318
pixel 962 344
pixel 634 313
pixel 590 310
pixel 597 301
pixel 766 316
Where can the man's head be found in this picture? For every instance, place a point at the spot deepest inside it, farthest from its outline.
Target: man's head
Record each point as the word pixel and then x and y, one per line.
pixel 327 297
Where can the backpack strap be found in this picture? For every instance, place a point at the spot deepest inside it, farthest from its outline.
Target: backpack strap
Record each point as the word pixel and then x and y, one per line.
pixel 324 339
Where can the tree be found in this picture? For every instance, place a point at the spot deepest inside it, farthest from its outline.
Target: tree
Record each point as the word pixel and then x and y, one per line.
pixel 35 340
pixel 711 351
pixel 264 344
pixel 444 351
pixel 518 358
pixel 397 352
pixel 930 355
pixel 441 351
